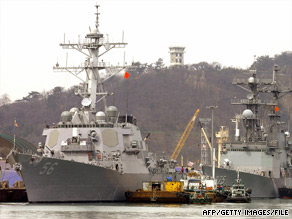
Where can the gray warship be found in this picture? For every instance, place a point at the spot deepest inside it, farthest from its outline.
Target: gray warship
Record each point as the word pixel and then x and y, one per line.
pixel 263 153
pixel 90 155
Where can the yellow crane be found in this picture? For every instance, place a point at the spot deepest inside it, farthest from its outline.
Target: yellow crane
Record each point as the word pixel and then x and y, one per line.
pixel 184 136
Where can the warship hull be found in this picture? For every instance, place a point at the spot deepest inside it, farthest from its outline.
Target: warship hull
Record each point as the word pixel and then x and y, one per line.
pixel 57 180
pixel 262 186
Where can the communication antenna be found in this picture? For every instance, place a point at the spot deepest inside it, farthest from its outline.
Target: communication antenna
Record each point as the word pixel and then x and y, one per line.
pixel 127 100
pixel 254 61
pixel 275 70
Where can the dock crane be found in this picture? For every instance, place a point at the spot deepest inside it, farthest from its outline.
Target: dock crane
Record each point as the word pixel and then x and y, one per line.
pixel 184 136
pixel 208 141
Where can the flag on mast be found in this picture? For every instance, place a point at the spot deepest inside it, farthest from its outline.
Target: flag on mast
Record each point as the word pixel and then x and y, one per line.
pixel 276 108
pixel 14 130
pixel 126 75
pixel 15 123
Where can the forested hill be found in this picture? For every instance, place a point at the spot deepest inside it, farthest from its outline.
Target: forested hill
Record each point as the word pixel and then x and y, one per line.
pixel 162 99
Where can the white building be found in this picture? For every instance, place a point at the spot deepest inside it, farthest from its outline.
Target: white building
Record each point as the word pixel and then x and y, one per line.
pixel 176 55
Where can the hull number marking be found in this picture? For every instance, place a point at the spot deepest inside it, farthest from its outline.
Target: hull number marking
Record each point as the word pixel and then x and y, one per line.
pixel 48 168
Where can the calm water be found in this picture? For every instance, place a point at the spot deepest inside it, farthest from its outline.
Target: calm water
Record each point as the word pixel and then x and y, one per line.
pixel 129 210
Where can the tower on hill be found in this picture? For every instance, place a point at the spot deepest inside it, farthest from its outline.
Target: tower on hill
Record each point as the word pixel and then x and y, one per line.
pixel 176 55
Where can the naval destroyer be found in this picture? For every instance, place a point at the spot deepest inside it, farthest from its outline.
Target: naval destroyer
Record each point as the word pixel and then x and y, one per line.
pixel 90 155
pixel 263 153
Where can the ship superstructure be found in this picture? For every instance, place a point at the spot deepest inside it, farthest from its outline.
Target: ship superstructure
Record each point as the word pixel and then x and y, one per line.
pixel 91 154
pixel 262 153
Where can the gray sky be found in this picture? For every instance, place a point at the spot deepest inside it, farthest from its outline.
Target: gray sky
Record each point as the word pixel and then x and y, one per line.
pixel 228 32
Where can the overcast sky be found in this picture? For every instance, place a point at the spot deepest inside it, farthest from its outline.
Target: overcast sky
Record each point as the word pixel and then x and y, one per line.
pixel 230 32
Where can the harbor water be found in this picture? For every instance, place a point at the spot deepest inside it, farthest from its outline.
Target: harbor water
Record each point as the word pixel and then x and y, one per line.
pixel 134 210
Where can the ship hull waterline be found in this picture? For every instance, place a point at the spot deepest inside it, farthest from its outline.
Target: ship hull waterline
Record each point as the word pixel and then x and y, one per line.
pixel 261 186
pixel 57 180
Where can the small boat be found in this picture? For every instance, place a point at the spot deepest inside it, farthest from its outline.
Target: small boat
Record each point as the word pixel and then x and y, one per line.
pixel 200 197
pixel 11 185
pixel 221 194
pixel 197 183
pixel 12 194
pixel 238 192
pixel 285 193
pixel 159 192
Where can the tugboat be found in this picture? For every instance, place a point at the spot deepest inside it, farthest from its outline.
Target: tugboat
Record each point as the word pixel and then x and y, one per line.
pixel 221 193
pixel 238 192
pixel 94 153
pixel 285 193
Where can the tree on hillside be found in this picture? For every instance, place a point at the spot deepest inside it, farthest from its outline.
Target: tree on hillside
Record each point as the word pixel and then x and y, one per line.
pixel 55 98
pixel 263 63
pixel 139 68
pixel 201 65
pixel 158 65
pixel 5 99
pixel 58 90
pixel 33 95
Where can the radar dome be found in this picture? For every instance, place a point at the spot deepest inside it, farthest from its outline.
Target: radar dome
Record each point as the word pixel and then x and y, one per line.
pixel 66 116
pixel 247 114
pixel 251 80
pixel 73 110
pixel 100 116
pixel 112 111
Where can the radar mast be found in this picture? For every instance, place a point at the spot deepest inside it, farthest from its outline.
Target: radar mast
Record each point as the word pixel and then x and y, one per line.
pixel 92 86
pixel 250 116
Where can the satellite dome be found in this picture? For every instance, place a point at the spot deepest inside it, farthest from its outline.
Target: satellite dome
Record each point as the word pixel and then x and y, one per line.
pixel 73 110
pixel 66 116
pixel 65 113
pixel 86 102
pixel 251 80
pixel 247 114
pixel 112 111
pixel 100 116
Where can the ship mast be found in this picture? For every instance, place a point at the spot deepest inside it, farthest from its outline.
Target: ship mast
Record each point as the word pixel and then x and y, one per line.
pixel 92 86
pixel 92 65
pixel 250 116
pixel 278 93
